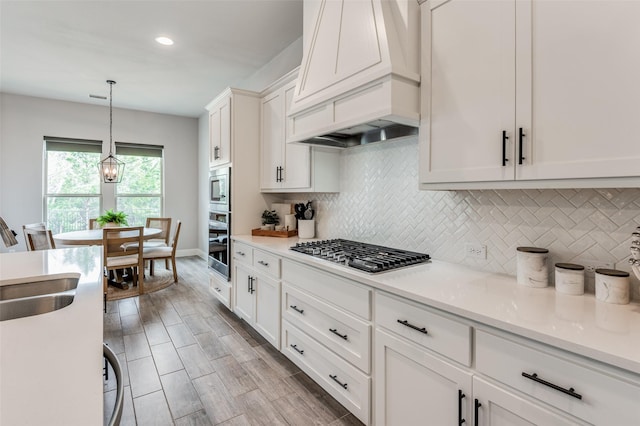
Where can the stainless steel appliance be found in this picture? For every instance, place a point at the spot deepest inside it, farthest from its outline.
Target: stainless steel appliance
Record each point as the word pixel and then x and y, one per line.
pixel 219 243
pixel 219 189
pixel 366 257
pixel 219 255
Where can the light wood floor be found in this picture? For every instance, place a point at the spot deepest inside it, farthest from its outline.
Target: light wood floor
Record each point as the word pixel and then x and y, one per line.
pixel 188 360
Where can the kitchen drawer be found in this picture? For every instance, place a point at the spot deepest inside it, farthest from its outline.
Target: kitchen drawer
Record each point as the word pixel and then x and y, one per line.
pixel 344 334
pixel 221 289
pixel 242 253
pixel 425 327
pixel 346 294
pixel 266 263
pixel 327 369
pixel 607 397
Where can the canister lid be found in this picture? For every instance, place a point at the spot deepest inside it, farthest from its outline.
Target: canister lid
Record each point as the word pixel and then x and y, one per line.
pixel 612 272
pixel 532 250
pixel 571 266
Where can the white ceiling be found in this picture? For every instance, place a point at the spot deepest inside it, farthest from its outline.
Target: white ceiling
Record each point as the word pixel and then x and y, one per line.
pixel 68 49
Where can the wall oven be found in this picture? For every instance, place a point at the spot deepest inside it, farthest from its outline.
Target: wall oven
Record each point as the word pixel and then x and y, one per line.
pixel 219 231
pixel 219 242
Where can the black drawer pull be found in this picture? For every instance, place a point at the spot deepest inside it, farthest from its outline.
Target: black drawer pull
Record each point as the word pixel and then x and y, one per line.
pixel 295 308
pixel 240 253
pixel 406 323
pixel 535 378
pixel 460 397
pixel 335 331
pixel 218 289
pixel 335 379
pixel 263 263
pixel 300 351
pixel 477 405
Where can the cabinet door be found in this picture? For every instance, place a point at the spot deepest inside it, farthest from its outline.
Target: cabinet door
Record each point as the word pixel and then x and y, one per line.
pixel 244 290
pixel 220 133
pixel 272 142
pixel 499 407
pixel 468 91
pixel 268 309
pixel 297 160
pixel 414 387
pixel 578 97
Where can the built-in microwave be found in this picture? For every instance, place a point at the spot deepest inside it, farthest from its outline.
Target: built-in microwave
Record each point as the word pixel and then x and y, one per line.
pixel 219 189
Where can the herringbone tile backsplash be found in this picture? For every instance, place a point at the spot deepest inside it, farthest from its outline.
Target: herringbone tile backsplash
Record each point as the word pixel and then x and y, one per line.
pixel 379 202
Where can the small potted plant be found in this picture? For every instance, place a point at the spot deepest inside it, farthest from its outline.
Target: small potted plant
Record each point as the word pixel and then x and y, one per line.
pixel 112 219
pixel 269 220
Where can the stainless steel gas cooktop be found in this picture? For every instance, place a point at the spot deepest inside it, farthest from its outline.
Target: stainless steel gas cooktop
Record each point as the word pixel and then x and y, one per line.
pixel 366 257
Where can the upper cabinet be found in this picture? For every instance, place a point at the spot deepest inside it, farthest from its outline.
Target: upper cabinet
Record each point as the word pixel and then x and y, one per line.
pixel 291 167
pixel 220 130
pixel 529 94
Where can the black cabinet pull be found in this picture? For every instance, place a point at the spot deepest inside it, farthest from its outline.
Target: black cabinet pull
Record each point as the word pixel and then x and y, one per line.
pixel 295 347
pixel 295 308
pixel 263 263
pixel 335 379
pixel 251 289
pixel 406 323
pixel 477 405
pixel 216 155
pixel 460 397
pixel 505 138
pixel 335 331
pixel 218 289
pixel 535 378
pixel 248 283
pixel 520 137
pixel 241 253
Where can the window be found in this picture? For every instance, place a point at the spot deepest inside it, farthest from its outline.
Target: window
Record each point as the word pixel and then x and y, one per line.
pixel 140 193
pixel 72 185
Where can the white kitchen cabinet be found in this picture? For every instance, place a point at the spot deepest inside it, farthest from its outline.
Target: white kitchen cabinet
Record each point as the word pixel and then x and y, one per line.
pixel 291 167
pixel 233 130
pixel 257 291
pixel 220 132
pixel 497 406
pixel 533 93
pixel 413 385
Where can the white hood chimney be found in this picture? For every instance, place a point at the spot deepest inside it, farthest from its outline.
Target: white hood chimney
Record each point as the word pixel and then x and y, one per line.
pixel 360 72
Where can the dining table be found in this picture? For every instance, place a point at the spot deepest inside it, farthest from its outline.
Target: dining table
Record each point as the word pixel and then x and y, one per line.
pixel 93 237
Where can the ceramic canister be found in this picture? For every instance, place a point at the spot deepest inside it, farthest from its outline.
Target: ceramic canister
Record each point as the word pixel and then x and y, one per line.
pixel 612 286
pixel 569 278
pixel 532 269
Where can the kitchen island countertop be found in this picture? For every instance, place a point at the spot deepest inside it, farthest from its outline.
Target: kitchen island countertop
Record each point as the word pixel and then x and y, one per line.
pixel 51 364
pixel 580 324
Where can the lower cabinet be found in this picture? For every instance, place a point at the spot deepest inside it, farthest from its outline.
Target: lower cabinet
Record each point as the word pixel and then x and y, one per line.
pixel 414 387
pixel 221 289
pixel 497 406
pixel 257 301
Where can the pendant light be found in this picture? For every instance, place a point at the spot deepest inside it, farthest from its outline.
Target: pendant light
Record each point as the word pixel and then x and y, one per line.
pixel 110 167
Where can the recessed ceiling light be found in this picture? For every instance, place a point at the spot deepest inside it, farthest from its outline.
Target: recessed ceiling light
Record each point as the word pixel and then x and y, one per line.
pixel 164 40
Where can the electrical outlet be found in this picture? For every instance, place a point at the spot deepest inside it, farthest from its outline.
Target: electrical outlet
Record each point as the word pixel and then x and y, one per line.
pixel 476 251
pixel 591 265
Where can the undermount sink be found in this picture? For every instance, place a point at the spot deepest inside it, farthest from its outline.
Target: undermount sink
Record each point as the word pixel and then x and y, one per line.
pixel 35 305
pixel 39 287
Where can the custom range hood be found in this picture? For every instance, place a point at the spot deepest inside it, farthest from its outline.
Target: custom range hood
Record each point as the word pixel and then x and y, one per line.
pixel 359 81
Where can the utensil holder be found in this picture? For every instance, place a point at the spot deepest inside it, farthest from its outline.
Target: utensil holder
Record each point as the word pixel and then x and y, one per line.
pixel 306 228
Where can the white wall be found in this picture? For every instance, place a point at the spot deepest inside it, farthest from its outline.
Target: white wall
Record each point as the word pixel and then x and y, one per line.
pixel 26 120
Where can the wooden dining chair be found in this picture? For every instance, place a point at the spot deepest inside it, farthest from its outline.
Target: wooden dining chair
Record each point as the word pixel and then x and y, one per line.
pixel 114 257
pixel 166 253
pixel 39 239
pixel 40 226
pixel 93 223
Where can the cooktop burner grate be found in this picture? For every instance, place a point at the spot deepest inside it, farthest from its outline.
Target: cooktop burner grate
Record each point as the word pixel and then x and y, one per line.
pixel 366 257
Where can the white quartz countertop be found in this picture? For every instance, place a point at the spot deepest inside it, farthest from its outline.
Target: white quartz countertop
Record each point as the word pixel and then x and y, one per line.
pixel 580 324
pixel 51 364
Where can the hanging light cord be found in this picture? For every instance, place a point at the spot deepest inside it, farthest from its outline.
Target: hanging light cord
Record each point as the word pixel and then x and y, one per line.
pixel 111 83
